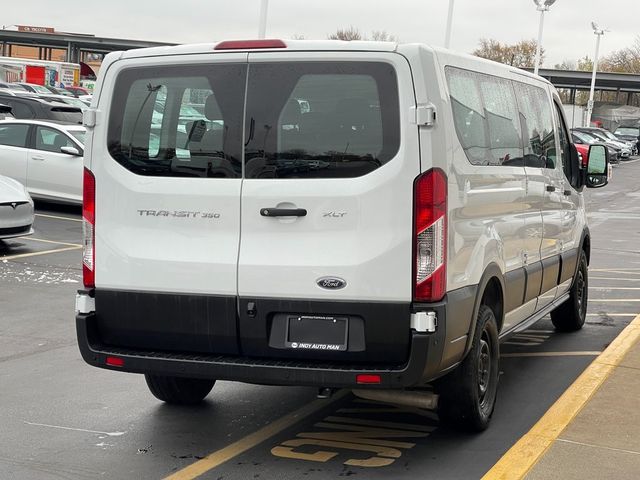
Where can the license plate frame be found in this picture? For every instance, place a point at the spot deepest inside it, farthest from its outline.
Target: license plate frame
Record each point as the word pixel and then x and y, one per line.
pixel 317 333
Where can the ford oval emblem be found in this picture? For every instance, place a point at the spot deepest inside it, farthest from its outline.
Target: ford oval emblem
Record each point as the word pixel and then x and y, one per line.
pixel 331 283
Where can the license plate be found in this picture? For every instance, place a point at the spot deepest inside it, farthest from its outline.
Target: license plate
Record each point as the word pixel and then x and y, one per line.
pixel 317 333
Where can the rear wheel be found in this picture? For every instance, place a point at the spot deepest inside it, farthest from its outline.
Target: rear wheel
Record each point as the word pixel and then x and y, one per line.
pixel 468 394
pixel 570 316
pixel 178 390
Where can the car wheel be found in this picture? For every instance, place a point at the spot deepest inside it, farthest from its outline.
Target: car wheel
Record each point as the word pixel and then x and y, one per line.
pixel 178 390
pixel 468 394
pixel 570 316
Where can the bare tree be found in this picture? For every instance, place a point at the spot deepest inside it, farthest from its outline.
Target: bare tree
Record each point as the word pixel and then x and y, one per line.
pixel 353 33
pixel 383 36
pixel 347 34
pixel 626 60
pixel 521 54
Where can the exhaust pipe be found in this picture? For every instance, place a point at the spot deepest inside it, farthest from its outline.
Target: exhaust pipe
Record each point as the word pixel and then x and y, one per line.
pixel 420 399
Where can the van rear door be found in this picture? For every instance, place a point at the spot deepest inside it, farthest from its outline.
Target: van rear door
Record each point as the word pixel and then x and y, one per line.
pixel 326 246
pixel 168 181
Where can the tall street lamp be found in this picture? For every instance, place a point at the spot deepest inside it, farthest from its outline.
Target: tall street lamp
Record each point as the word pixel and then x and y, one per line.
pixel 447 35
pixel 542 6
pixel 262 27
pixel 598 32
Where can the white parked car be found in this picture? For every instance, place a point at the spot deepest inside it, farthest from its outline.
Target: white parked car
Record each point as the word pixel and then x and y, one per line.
pixel 358 215
pixel 45 156
pixel 16 209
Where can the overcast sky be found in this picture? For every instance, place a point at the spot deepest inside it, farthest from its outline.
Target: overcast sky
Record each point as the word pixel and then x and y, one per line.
pixel 567 32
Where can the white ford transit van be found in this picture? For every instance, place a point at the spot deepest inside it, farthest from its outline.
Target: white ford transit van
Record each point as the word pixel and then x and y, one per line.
pixel 331 214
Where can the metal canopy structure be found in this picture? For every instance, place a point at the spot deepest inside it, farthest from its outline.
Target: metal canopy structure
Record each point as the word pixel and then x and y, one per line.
pixel 625 82
pixel 73 43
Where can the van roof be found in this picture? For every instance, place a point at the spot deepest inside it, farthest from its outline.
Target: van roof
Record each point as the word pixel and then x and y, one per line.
pixel 291 45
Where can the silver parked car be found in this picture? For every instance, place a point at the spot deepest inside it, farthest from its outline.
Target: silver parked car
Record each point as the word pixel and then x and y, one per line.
pixel 16 209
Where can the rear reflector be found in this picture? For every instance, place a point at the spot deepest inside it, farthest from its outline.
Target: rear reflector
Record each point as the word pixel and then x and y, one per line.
pixel 115 362
pixel 366 379
pixel 249 44
pixel 88 228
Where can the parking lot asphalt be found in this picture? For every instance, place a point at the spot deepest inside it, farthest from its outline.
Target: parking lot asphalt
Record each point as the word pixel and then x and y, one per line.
pixel 60 418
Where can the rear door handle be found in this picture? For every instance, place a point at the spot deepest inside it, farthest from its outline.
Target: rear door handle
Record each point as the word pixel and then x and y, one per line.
pixel 39 159
pixel 551 188
pixel 283 212
pixel 567 193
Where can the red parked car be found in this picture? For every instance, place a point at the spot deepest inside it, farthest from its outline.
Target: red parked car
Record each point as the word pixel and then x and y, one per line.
pixel 77 91
pixel 583 150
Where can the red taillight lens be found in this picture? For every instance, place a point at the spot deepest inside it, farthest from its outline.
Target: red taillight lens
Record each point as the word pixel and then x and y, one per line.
pixel 115 361
pixel 249 44
pixel 367 379
pixel 88 228
pixel 430 236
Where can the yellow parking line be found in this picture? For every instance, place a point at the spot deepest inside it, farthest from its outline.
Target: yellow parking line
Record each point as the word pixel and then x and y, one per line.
pixel 633 279
pixel 58 217
pixel 219 457
pixel 611 314
pixel 614 300
pixel 520 459
pixel 552 354
pixel 59 243
pixel 613 270
pixel 45 252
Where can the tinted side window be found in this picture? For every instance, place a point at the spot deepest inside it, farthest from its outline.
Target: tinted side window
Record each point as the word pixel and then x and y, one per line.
pixel 181 121
pixel 486 117
pixel 565 147
pixel 537 125
pixel 14 135
pixel 51 140
pixel 320 119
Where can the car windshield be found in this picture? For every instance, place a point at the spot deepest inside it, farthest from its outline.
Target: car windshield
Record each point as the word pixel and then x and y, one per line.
pixel 78 135
pixel 609 135
pixel 585 137
pixel 40 89
pixel 15 86
pixel 628 131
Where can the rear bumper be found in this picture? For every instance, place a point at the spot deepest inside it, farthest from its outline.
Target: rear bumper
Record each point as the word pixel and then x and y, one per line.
pixel 424 357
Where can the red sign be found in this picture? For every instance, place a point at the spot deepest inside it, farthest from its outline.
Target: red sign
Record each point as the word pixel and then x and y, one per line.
pixel 28 28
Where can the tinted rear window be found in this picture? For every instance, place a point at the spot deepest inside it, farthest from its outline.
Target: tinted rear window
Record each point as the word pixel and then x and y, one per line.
pixel 303 119
pixel 320 119
pixel 179 121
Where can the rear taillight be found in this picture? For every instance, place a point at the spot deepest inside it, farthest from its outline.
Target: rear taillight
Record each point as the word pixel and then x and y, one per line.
pixel 430 236
pixel 88 228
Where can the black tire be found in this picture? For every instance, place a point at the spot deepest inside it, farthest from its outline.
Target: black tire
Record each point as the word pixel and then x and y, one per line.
pixel 178 390
pixel 570 316
pixel 468 394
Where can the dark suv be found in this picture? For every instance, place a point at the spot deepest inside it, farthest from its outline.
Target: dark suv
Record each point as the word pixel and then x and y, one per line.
pixel 30 108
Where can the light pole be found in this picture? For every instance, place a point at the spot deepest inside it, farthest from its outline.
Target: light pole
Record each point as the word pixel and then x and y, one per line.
pixel 262 27
pixel 598 32
pixel 447 35
pixel 542 6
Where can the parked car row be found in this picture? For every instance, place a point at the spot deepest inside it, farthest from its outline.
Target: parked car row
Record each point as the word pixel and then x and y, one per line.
pixel 44 156
pixel 71 91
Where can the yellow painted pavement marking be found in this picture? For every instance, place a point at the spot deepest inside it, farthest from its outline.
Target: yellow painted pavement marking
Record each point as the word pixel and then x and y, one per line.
pixel 220 456
pixel 614 288
pixel 622 272
pixel 45 252
pixel 614 270
pixel 521 458
pixel 606 300
pixel 615 278
pixel 53 241
pixel 553 354
pixel 58 217
pixel 604 314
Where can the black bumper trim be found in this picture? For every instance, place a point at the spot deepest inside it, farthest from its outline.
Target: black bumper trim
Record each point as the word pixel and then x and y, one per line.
pixel 255 370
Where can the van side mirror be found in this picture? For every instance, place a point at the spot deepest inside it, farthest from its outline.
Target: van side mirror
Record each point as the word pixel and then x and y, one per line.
pixel 598 166
pixel 71 151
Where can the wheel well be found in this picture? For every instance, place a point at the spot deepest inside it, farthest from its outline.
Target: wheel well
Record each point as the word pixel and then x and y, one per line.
pixel 586 246
pixel 492 297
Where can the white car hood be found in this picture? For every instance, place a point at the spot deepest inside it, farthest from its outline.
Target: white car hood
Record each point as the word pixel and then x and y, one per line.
pixel 12 191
